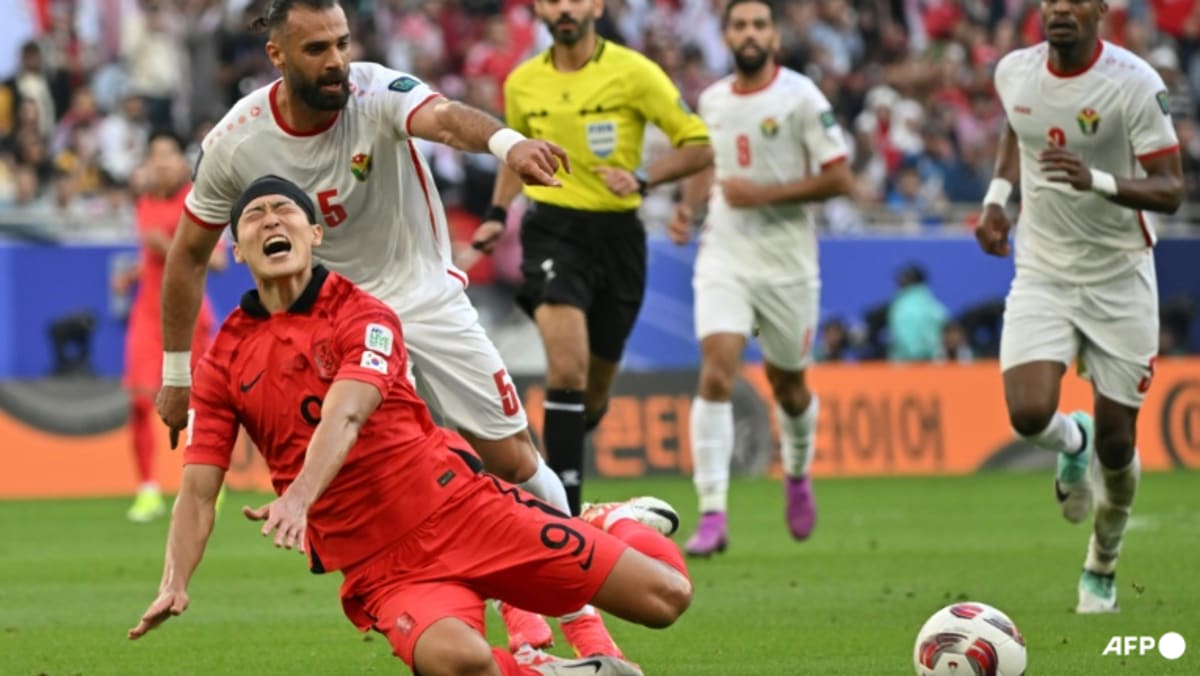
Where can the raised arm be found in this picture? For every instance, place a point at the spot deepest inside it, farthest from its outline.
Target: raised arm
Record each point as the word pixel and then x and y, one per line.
pixel 461 126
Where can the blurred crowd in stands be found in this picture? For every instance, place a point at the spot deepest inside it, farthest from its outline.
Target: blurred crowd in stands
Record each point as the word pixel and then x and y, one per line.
pixel 84 82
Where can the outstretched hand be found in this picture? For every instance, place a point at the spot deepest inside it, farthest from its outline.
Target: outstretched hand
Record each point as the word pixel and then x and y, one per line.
pixel 168 604
pixel 287 516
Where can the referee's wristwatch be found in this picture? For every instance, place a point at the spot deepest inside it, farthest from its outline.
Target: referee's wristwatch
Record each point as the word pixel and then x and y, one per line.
pixel 643 181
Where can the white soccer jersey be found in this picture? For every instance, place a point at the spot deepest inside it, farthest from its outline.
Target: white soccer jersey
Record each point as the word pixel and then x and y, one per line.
pixel 385 228
pixel 780 133
pixel 1113 113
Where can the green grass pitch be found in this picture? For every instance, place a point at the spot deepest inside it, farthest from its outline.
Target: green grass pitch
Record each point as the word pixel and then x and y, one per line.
pixel 74 576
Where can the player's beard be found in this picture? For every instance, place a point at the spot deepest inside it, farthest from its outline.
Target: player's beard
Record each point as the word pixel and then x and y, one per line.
pixel 750 62
pixel 313 96
pixel 569 33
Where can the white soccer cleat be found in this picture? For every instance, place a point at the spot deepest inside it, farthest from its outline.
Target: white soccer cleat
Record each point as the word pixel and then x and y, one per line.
pixel 1097 594
pixel 588 666
pixel 655 513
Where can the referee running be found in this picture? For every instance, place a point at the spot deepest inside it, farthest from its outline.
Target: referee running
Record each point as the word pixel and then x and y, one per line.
pixel 584 246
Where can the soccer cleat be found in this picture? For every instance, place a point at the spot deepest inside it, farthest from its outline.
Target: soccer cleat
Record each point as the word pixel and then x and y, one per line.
pixel 1071 486
pixel 711 535
pixel 1097 594
pixel 652 512
pixel 525 629
pixel 528 656
pixel 801 507
pixel 589 637
pixel 588 666
pixel 147 506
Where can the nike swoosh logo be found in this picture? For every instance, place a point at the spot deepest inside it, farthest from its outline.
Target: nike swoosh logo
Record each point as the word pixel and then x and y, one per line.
pixel 594 664
pixel 1059 493
pixel 246 386
pixel 587 563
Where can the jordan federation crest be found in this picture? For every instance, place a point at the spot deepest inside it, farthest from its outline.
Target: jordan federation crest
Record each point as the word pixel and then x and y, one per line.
pixel 360 166
pixel 1089 121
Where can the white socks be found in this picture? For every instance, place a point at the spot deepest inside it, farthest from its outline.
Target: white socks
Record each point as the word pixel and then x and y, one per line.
pixel 712 451
pixel 1113 505
pixel 798 438
pixel 1061 435
pixel 546 485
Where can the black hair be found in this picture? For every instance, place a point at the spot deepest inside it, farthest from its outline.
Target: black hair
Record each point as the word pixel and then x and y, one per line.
pixel 734 3
pixel 270 185
pixel 164 133
pixel 276 13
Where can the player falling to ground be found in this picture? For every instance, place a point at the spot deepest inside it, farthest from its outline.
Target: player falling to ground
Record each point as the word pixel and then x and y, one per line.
pixel 314 368
pixel 778 148
pixel 344 132
pixel 1091 139
pixel 584 246
pixel 163 178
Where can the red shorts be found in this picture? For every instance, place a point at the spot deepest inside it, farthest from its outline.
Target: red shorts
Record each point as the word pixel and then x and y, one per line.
pixel 491 541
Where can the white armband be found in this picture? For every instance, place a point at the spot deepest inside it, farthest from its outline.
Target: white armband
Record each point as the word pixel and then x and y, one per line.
pixel 1104 183
pixel 502 141
pixel 177 369
pixel 999 190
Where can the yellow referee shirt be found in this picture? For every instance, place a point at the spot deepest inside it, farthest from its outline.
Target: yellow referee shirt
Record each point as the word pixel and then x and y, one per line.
pixel 598 115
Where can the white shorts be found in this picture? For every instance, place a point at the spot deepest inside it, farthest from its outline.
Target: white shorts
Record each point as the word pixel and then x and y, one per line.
pixel 462 370
pixel 785 315
pixel 1111 328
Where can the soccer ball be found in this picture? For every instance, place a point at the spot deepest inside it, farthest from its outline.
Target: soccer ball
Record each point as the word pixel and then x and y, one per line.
pixel 969 639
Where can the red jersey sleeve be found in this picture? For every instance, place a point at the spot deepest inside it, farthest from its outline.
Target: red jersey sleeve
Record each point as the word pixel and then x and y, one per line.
pixel 370 346
pixel 212 419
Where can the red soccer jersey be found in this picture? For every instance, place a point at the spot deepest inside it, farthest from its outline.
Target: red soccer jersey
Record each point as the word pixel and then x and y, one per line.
pixel 270 373
pixel 161 215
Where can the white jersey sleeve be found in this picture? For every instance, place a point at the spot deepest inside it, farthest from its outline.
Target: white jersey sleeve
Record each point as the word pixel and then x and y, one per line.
pixel 817 128
pixel 394 96
pixel 1150 128
pixel 214 188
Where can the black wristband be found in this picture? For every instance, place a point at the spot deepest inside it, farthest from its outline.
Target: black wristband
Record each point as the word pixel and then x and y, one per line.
pixel 496 213
pixel 643 182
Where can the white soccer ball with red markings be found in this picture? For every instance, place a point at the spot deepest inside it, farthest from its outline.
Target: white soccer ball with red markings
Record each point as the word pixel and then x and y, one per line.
pixel 969 639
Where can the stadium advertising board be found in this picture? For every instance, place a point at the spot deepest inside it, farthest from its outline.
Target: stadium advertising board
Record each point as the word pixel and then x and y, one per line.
pixel 875 419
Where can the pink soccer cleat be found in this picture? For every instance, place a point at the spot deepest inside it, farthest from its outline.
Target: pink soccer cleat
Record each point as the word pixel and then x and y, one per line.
pixel 525 628
pixel 711 535
pixel 801 507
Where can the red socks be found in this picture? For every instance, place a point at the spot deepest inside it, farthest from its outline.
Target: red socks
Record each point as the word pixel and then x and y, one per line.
pixel 141 424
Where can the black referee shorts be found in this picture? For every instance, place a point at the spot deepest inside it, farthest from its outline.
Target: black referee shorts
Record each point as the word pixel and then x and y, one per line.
pixel 592 260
